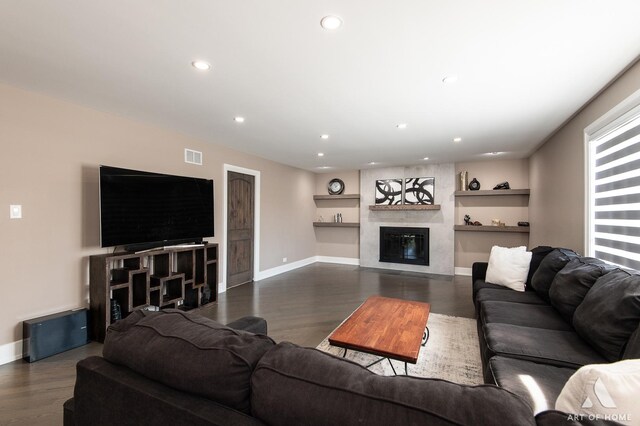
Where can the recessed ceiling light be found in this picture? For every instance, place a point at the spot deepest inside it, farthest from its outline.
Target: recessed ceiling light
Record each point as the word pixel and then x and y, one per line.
pixel 494 153
pixel 331 22
pixel 321 154
pixel 401 126
pixel 372 163
pixel 201 65
pixel 425 158
pixel 450 79
pixel 457 140
pixel 238 119
pixel 324 136
pixel 324 167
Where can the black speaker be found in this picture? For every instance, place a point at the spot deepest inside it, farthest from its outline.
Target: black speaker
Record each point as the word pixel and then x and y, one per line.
pixel 52 334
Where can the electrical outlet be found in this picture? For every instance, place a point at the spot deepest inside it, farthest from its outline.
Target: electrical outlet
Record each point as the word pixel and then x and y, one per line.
pixel 284 260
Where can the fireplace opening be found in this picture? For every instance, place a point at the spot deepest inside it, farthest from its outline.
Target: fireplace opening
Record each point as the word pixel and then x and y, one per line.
pixel 404 245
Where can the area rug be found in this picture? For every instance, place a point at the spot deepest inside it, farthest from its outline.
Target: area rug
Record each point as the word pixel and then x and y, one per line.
pixel 452 353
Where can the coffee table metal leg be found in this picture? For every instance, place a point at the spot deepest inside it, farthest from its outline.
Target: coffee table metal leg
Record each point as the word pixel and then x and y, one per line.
pixel 425 336
pixel 377 361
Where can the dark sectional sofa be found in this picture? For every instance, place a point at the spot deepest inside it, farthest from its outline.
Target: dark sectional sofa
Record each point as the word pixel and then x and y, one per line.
pixel 576 311
pixel 173 368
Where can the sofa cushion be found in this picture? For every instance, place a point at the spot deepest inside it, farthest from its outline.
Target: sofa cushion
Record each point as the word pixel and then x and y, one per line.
pixel 315 388
pixel 508 267
pixel 553 347
pixel 538 384
pixel 106 394
pixel 549 267
pixel 538 316
pixel 604 390
pixel 610 312
pixel 188 352
pixel 498 295
pixel 482 284
pixel 632 350
pixel 572 283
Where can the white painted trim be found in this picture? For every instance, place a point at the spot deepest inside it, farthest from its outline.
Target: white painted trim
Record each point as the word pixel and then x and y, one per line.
pixel 222 286
pixel 613 118
pixel 268 273
pixel 10 352
pixel 465 272
pixel 341 260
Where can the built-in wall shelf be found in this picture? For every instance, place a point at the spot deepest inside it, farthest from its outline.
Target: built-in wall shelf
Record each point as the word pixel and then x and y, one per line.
pixel 336 224
pixel 489 192
pixel 337 197
pixel 484 228
pixel 404 207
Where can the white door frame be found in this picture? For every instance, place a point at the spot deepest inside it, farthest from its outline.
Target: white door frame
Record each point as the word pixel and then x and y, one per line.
pixel 256 222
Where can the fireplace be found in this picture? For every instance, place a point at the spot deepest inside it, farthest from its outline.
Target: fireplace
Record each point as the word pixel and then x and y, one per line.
pixel 404 245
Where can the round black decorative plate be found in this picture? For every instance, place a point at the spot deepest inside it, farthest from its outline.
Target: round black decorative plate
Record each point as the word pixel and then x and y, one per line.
pixel 336 186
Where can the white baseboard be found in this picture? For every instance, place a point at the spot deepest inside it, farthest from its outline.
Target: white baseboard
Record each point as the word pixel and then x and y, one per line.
pixel 268 273
pixel 466 272
pixel 340 260
pixel 10 352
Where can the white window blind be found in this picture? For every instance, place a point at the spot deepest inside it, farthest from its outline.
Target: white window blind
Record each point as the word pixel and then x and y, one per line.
pixel 615 195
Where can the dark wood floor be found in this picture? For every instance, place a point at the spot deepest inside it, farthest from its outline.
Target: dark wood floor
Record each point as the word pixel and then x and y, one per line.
pixel 301 306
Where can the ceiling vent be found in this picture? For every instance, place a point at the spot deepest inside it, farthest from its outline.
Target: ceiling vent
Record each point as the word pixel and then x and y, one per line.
pixel 192 157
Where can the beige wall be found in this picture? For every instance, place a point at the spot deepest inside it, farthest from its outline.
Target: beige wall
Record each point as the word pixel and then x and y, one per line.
pixel 51 151
pixel 557 172
pixel 338 242
pixel 475 246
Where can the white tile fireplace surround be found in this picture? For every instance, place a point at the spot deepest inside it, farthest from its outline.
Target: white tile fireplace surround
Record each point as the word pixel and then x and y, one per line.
pixel 440 222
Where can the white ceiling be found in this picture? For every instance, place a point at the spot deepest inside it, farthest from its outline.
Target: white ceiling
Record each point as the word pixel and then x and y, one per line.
pixel 524 67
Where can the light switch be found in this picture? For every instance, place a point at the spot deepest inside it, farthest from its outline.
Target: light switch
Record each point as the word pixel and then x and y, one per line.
pixel 15 211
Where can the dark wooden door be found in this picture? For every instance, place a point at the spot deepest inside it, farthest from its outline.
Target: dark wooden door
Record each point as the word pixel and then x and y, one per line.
pixel 240 214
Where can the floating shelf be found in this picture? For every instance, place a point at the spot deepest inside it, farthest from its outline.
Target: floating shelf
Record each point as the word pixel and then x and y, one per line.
pixel 519 229
pixel 490 192
pixel 337 197
pixel 404 207
pixel 336 224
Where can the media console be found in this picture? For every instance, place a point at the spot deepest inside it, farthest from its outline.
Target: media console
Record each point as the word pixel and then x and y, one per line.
pixel 176 277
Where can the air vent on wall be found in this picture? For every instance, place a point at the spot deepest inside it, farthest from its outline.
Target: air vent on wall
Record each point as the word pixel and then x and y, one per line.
pixel 192 157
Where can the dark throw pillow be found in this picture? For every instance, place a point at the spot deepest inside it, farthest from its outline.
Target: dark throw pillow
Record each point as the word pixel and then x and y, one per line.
pixel 572 283
pixel 188 352
pixel 549 267
pixel 610 313
pixel 537 255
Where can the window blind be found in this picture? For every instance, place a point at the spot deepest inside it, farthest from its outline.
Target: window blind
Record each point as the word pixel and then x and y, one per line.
pixel 615 195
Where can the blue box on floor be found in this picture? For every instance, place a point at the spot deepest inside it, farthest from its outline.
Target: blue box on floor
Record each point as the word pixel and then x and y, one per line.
pixel 52 334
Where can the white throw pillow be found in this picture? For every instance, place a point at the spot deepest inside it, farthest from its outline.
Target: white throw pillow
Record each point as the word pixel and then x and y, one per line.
pixel 509 267
pixel 604 391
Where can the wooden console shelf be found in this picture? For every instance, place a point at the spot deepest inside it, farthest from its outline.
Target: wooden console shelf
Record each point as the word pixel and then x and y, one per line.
pixel 337 224
pixel 484 228
pixel 184 278
pixel 405 207
pixel 337 197
pixel 491 192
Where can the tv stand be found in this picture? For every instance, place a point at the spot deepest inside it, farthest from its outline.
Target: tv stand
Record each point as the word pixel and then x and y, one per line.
pixel 183 277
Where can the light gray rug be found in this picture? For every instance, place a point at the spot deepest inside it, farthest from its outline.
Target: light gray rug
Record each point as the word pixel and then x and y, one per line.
pixel 452 353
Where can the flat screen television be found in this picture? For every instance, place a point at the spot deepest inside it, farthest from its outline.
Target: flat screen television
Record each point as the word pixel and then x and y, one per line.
pixel 143 210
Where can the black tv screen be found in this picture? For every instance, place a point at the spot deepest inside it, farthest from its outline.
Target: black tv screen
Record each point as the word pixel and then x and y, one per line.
pixel 143 208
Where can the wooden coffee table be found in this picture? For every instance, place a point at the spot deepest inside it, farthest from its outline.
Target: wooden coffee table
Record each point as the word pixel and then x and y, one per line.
pixel 387 327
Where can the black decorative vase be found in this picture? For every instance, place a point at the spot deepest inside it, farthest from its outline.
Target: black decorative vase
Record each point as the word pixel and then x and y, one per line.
pixel 474 185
